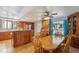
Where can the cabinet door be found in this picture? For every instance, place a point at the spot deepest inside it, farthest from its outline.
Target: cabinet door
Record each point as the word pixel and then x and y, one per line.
pixel 46 24
pixel 22 37
pixel 26 34
pixel 77 26
pixel 74 24
pixel 30 35
pixel 18 38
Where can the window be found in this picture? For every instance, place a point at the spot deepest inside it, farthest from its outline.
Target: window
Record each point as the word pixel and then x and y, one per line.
pixel 7 24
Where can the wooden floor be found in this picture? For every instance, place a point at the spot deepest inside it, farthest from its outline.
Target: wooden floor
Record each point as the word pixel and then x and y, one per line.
pixel 6 46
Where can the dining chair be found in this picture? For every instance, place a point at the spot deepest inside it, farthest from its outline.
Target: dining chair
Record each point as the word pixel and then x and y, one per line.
pixel 74 46
pixel 47 44
pixel 69 45
pixel 37 45
pixel 64 46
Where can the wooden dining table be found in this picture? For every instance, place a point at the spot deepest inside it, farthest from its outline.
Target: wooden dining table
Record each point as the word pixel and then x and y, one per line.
pixel 50 43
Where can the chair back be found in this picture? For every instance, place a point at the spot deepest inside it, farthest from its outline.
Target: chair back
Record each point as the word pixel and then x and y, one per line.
pixel 67 44
pixel 37 45
pixel 46 42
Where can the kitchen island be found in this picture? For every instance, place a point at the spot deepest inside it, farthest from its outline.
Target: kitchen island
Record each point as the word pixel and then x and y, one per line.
pixel 22 37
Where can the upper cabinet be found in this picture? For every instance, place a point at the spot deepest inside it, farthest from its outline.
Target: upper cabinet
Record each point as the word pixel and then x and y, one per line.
pixel 45 25
pixel 73 21
pixel 21 25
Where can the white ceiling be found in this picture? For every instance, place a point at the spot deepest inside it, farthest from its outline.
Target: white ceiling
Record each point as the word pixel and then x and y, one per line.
pixel 33 13
pixel 22 12
pixel 63 10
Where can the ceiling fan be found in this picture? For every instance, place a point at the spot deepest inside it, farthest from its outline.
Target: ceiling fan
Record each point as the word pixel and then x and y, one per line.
pixel 47 13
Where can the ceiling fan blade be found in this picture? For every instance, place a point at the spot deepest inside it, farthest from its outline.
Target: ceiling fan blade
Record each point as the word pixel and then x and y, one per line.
pixel 54 13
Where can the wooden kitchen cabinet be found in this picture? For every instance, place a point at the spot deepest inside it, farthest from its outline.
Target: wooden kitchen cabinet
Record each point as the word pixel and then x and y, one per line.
pixel 73 21
pixel 21 37
pixel 5 35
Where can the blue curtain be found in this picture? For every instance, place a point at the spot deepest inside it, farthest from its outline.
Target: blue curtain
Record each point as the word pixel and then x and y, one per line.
pixel 65 26
pixel 51 25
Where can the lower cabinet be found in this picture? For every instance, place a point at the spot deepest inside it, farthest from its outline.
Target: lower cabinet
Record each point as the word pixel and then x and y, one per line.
pixel 5 36
pixel 21 37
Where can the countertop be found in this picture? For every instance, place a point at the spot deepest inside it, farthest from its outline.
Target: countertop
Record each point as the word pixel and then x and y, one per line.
pixel 11 30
